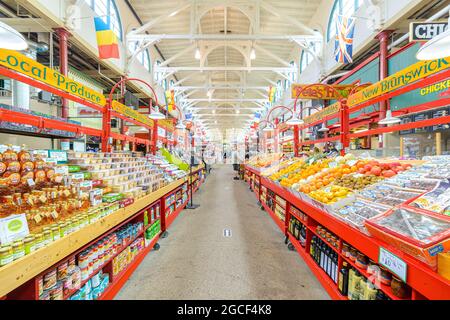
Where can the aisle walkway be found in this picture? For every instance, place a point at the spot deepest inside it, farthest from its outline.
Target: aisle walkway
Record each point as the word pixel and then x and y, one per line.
pixel 197 262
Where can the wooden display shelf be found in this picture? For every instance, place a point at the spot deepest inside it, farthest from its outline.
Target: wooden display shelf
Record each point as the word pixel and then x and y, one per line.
pixel 20 271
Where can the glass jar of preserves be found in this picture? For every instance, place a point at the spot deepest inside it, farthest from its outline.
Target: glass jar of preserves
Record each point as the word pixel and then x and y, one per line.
pixel 6 255
pixel 18 249
pixel 48 237
pixel 400 289
pixel 29 244
pixel 39 240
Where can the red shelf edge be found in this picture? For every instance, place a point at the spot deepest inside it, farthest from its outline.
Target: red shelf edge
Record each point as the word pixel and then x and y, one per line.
pixel 120 279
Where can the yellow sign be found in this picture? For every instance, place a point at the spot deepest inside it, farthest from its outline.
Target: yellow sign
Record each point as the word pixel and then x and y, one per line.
pixel 27 66
pixel 437 87
pixel 142 118
pixel 166 123
pixel 319 115
pixel 133 114
pixel 402 78
pixel 321 91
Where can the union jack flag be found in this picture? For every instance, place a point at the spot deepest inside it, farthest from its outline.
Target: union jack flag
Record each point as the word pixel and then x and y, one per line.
pixel 343 45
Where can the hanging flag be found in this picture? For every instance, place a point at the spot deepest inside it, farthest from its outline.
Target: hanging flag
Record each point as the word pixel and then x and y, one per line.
pixel 257 117
pixel 108 45
pixel 343 45
pixel 272 92
pixel 170 100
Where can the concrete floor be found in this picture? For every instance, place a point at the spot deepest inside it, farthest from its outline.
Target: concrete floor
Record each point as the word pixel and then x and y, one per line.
pixel 197 262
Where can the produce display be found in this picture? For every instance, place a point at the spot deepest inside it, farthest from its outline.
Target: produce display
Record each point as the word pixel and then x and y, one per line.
pixel 403 203
pixel 264 160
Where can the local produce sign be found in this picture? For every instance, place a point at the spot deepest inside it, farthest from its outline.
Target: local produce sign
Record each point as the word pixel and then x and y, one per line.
pixel 131 113
pixel 27 66
pixel 319 115
pixel 320 91
pixel 400 79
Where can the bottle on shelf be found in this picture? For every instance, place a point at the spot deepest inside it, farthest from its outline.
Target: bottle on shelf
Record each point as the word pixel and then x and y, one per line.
pixel 303 235
pixel 343 279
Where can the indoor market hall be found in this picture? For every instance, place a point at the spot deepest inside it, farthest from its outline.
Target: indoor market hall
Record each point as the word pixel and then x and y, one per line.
pixel 228 248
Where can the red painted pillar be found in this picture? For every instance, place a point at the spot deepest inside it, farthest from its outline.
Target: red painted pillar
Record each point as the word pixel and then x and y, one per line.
pixel 63 35
pixel 345 126
pixel 154 136
pixel 106 127
pixel 296 140
pixel 383 38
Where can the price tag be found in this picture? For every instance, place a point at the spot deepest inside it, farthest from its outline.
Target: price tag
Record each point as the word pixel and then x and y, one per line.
pixel 58 155
pixel 58 179
pixel 3 148
pixel 51 160
pixel 351 162
pixel 393 263
pixel 31 182
pixel 64 170
pixel 42 153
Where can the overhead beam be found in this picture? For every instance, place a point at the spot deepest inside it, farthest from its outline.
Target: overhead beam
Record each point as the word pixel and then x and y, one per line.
pixel 179 54
pixel 201 69
pixel 272 10
pixel 271 54
pixel 225 100
pixel 184 88
pixel 157 20
pixel 223 37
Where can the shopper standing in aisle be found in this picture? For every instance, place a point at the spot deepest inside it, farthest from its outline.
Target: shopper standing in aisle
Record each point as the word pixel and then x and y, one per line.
pixel 235 161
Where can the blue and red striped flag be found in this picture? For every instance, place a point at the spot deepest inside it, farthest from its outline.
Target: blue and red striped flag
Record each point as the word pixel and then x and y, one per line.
pixel 108 45
pixel 343 45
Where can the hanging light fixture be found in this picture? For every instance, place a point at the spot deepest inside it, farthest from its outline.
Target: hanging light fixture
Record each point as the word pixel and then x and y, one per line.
pixel 252 54
pixel 389 119
pixel 11 39
pixel 156 115
pixel 436 48
pixel 294 121
pixel 197 55
pixel 180 125
pixel 323 128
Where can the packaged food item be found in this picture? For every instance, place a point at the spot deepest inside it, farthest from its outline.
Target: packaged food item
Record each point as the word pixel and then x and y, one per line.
pixel 419 233
pixel 56 292
pixel 436 200
pixel 400 289
pixel 50 279
pixel 6 255
pixel 62 270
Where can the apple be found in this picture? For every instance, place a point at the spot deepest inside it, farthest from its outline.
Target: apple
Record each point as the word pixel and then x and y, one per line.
pixel 376 170
pixel 388 173
pixel 367 167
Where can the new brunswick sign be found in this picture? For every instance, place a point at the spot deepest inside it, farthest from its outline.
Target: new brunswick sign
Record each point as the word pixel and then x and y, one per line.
pixel 400 79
